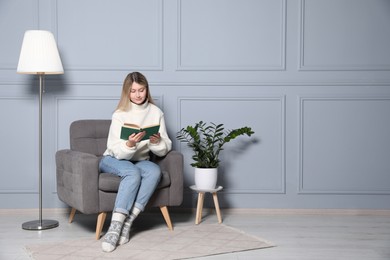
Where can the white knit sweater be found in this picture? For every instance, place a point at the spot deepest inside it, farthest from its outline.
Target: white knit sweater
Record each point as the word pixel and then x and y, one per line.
pixel 143 115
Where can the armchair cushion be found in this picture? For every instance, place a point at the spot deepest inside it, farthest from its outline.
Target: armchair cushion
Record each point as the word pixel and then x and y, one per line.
pixel 110 183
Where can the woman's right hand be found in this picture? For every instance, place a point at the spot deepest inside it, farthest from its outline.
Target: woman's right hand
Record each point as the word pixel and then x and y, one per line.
pixel 135 138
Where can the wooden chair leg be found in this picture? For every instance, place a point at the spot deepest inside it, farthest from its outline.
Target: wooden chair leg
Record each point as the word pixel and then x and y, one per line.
pixel 100 223
pixel 164 211
pixel 71 216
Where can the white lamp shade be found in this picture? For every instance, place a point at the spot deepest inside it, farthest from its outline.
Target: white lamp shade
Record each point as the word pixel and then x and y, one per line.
pixel 39 54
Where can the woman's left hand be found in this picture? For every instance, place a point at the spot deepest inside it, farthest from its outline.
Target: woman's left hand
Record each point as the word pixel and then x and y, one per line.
pixel 155 139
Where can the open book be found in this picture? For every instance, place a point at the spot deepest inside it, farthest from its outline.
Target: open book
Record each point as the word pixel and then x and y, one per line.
pixel 129 129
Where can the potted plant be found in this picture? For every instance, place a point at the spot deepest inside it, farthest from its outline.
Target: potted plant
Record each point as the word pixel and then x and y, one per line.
pixel 207 141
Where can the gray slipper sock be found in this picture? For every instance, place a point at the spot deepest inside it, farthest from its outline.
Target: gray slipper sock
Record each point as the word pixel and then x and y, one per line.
pixel 111 238
pixel 125 234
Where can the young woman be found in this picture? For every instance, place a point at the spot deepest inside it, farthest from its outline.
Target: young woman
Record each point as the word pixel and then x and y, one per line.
pixel 129 158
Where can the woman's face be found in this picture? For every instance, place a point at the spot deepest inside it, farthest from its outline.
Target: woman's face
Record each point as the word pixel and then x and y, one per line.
pixel 137 93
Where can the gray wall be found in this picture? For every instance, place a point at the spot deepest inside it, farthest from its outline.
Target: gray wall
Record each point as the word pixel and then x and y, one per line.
pixel 311 77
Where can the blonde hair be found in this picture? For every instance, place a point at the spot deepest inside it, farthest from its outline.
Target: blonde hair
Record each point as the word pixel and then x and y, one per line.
pixel 124 103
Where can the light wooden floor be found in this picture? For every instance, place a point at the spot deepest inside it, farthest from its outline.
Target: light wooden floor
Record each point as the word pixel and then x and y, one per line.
pixel 303 235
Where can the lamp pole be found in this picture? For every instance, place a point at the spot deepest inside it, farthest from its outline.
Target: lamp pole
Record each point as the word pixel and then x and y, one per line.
pixel 40 224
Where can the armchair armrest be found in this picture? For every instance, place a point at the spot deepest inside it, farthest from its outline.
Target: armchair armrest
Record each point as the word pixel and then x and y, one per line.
pixel 78 179
pixel 173 164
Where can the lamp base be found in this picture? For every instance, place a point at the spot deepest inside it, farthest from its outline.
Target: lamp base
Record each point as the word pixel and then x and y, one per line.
pixel 40 225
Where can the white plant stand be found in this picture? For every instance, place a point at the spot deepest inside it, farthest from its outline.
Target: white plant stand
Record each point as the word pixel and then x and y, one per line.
pixel 199 207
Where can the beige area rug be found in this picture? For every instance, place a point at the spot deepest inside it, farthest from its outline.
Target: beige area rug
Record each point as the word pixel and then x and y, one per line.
pixel 184 242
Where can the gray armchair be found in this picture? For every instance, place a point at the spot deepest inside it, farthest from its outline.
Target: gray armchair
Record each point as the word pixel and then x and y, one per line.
pixel 83 188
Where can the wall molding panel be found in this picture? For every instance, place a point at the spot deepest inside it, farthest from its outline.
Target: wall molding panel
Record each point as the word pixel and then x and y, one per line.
pixel 22 128
pixel 272 172
pixel 94 44
pixel 234 49
pixel 23 15
pixel 342 154
pixel 363 47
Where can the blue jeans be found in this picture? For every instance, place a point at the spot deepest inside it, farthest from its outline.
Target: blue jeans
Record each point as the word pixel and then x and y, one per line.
pixel 138 182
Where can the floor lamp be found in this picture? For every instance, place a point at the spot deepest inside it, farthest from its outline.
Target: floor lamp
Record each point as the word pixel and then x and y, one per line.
pixel 39 55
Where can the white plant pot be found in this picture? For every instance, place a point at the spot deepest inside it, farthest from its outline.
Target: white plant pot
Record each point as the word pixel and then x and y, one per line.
pixel 206 178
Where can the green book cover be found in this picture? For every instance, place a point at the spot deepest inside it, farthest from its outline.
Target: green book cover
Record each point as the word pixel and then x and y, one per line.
pixel 129 129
